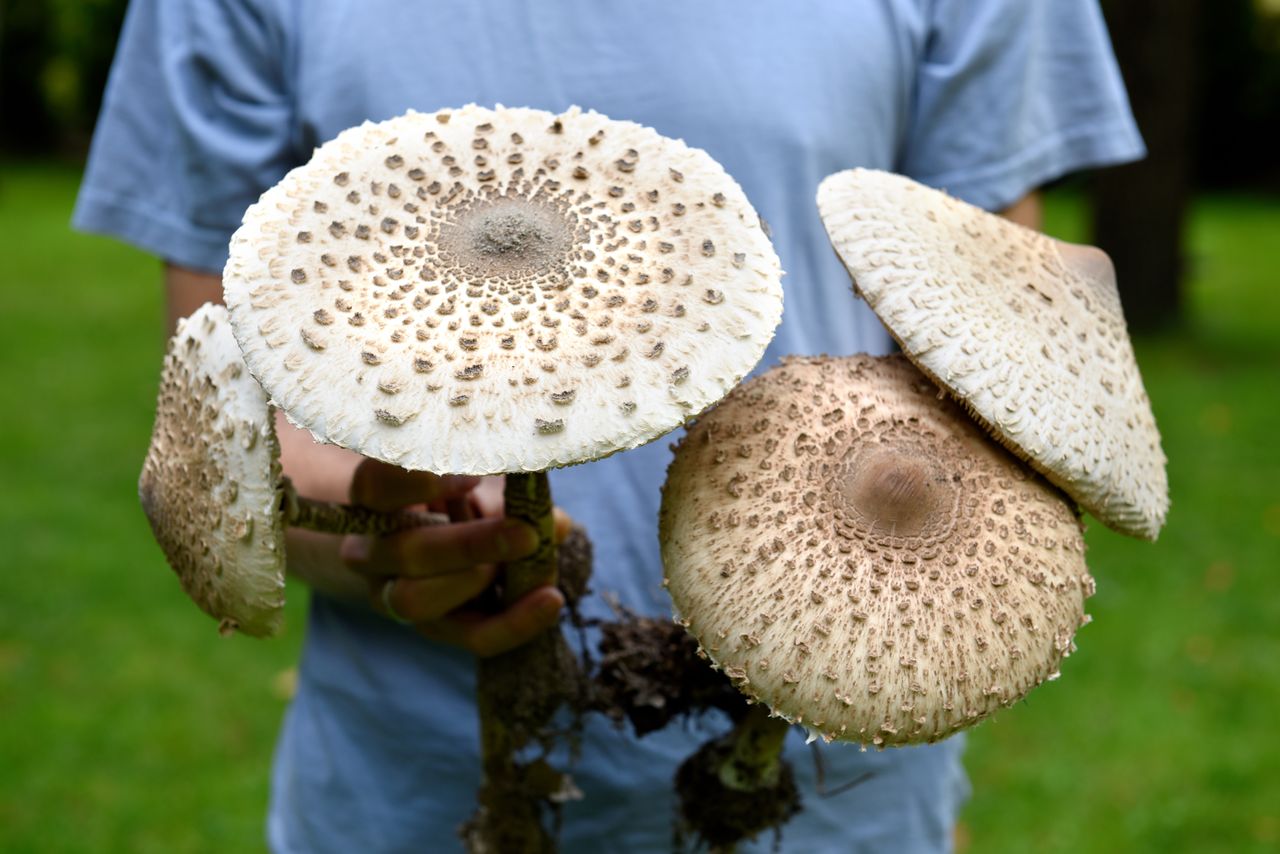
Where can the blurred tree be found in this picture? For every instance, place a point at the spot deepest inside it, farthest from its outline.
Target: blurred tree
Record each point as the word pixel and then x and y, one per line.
pixel 54 60
pixel 24 40
pixel 1139 209
pixel 1237 125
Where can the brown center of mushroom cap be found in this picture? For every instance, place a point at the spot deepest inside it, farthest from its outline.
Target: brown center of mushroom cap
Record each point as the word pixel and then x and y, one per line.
pixel 898 496
pixel 506 236
pixel 893 494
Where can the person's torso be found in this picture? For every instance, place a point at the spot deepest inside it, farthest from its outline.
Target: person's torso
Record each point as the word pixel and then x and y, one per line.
pixel 782 97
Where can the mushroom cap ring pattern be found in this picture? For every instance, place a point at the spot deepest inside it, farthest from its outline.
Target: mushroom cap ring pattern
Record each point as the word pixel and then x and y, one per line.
pixel 853 551
pixel 477 291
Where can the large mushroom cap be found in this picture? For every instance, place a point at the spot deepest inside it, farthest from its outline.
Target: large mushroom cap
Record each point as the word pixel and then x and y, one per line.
pixel 479 291
pixel 1026 330
pixel 853 551
pixel 211 483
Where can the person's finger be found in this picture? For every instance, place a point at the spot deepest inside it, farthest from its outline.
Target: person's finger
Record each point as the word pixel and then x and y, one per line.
pixel 440 549
pixel 418 600
pixel 563 525
pixel 491 634
pixel 382 486
pixel 459 508
pixel 487 501
pixel 487 498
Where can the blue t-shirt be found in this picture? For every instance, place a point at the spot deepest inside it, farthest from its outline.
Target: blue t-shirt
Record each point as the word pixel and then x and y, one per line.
pixel 211 101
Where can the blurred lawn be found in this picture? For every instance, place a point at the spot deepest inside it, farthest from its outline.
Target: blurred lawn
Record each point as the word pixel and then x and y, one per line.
pixel 127 724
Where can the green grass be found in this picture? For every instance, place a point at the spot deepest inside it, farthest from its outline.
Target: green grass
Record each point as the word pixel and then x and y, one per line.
pixel 1161 735
pixel 127 724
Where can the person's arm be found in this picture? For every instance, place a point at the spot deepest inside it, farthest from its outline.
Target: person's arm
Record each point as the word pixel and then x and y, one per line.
pixel 436 570
pixel 1008 95
pixel 1028 211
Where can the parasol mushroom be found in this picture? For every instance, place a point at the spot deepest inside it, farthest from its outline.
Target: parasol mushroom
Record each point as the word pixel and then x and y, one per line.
pixel 482 291
pixel 1026 331
pixel 212 488
pixel 736 786
pixel 858 556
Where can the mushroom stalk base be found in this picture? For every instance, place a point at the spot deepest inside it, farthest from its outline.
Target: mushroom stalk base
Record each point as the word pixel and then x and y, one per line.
pixel 755 755
pixel 738 785
pixel 528 498
pixel 518 692
pixel 332 518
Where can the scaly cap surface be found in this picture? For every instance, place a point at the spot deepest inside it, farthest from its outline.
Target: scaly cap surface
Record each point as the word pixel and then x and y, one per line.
pixel 479 291
pixel 1025 330
pixel 211 485
pixel 853 551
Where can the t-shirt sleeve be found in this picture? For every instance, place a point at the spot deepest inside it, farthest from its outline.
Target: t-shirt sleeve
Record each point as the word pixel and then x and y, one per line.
pixel 1010 94
pixel 196 122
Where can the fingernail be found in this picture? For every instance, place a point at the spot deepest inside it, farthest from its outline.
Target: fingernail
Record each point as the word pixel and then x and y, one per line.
pixel 548 608
pixel 517 539
pixel 355 550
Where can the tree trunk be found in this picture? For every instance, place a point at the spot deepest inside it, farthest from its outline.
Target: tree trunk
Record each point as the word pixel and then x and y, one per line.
pixel 1139 209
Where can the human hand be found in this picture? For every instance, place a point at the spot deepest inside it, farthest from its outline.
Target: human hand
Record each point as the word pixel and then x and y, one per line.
pixel 425 576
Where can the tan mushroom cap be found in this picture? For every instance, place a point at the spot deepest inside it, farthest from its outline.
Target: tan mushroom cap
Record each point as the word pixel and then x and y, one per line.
pixel 854 552
pixel 1025 330
pixel 479 291
pixel 211 483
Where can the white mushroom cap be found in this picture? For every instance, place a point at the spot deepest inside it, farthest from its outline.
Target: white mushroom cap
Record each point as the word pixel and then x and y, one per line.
pixel 479 291
pixel 854 552
pixel 211 484
pixel 1025 330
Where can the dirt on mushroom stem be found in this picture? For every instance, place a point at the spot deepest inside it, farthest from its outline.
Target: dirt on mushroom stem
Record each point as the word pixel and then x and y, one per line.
pixel 519 691
pixel 737 786
pixel 651 671
pixel 330 517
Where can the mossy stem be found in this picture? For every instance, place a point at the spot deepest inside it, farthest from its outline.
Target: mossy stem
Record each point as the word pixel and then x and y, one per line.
pixel 528 498
pixel 755 758
pixel 510 816
pixel 331 517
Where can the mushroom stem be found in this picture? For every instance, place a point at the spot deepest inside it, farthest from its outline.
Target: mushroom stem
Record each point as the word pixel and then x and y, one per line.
pixel 518 692
pixel 738 785
pixel 528 498
pixel 331 517
pixel 755 754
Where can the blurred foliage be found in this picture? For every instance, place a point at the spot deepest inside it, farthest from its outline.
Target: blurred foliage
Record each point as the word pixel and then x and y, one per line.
pixel 54 59
pixel 1237 113
pixel 55 55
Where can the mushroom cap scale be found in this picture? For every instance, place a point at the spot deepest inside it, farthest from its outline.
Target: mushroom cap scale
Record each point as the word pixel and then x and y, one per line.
pixel 211 485
pixel 1025 330
pixel 853 551
pixel 479 291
